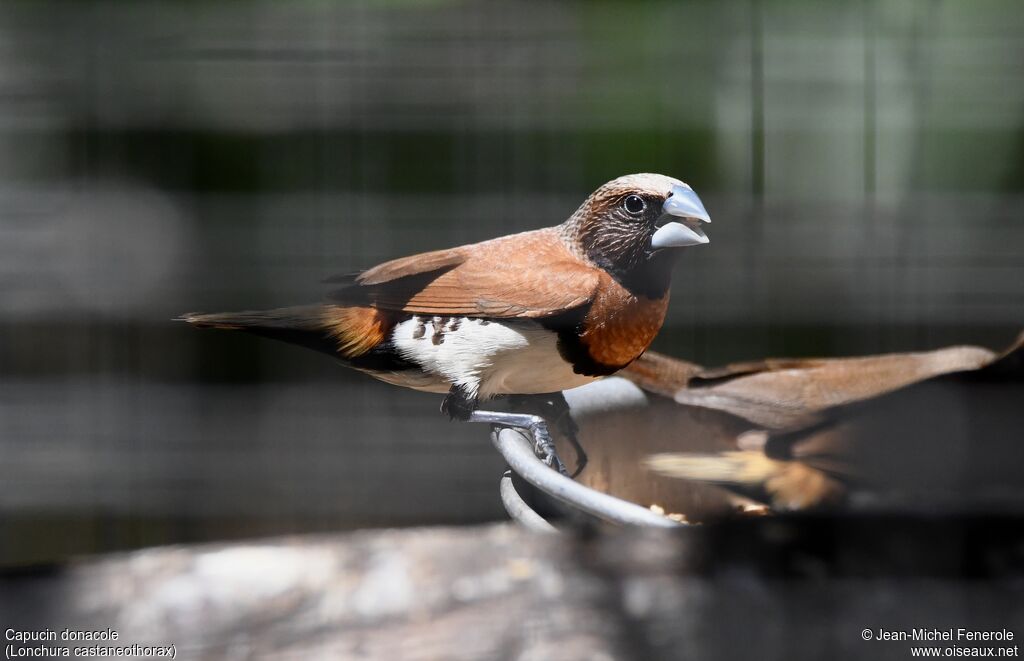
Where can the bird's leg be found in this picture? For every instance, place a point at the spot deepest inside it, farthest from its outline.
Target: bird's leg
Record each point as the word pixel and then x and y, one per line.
pixel 553 408
pixel 460 405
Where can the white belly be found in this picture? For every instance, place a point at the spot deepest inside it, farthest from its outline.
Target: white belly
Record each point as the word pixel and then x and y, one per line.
pixel 485 357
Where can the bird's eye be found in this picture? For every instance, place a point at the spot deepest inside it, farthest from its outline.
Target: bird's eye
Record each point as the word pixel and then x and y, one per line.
pixel 634 204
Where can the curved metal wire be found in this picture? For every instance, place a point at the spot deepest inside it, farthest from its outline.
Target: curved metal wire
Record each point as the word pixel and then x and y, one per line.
pixel 517 449
pixel 517 508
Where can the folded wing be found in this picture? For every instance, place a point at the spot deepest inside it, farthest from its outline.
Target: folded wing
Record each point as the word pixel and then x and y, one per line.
pixel 530 275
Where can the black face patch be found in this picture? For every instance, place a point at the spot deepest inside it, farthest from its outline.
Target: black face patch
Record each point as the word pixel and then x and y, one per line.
pixel 616 236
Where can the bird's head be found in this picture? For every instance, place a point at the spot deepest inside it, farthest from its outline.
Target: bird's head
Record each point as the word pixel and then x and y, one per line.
pixel 637 219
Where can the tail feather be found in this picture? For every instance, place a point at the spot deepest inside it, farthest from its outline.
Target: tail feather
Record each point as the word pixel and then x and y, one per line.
pixel 356 335
pixel 306 325
pixel 784 484
pixel 306 317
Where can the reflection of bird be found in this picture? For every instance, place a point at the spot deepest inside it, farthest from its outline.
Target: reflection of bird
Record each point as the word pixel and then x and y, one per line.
pixel 949 440
pixel 535 312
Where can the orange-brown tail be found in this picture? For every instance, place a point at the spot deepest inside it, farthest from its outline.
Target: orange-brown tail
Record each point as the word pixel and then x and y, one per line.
pixel 355 334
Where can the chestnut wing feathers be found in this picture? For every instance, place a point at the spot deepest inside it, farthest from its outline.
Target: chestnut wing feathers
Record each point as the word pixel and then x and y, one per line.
pixel 529 275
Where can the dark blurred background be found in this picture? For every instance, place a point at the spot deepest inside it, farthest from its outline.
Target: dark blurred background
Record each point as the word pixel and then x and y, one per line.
pixel 862 162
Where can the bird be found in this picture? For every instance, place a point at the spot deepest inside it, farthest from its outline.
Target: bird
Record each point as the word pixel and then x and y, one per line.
pixel 531 313
pixel 930 432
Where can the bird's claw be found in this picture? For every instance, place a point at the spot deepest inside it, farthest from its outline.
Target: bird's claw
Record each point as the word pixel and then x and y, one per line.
pixel 544 447
pixel 554 410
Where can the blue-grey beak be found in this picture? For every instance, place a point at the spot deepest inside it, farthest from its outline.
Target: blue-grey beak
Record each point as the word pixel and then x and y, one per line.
pixel 683 203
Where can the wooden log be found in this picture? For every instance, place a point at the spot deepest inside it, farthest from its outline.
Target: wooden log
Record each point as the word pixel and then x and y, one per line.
pixel 774 588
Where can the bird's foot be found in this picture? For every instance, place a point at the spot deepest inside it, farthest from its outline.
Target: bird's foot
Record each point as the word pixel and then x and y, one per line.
pixel 554 408
pixel 543 445
pixel 458 404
